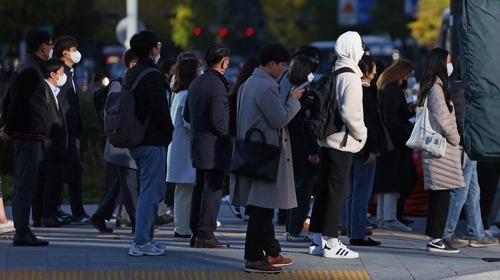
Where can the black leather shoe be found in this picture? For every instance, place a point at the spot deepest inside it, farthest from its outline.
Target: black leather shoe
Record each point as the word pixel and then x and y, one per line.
pixel 29 240
pixel 99 224
pixel 52 222
pixel 363 242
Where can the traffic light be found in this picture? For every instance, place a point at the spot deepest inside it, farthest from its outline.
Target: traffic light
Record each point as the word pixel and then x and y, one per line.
pixel 249 32
pixel 197 31
pixel 223 32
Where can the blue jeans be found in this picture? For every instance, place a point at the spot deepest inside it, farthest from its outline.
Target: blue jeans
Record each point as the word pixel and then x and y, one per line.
pixel 151 163
pixel 26 155
pixel 467 197
pixel 358 196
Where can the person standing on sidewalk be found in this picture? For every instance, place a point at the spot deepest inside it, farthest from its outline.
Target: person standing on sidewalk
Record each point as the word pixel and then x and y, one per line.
pixel 337 152
pixel 151 155
pixel 65 48
pixel 444 173
pixel 207 110
pixel 467 197
pixel 27 123
pixel 121 173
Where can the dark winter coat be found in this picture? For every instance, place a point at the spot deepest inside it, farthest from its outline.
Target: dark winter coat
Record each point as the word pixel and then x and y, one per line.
pixel 150 99
pixel 395 171
pixel 25 108
pixel 55 147
pixel 68 98
pixel 207 110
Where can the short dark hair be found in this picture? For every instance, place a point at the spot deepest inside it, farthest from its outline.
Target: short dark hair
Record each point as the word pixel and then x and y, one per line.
pixel 166 64
pixel 300 67
pixel 35 38
pixel 366 64
pixel 142 43
pixel 64 43
pixel 215 53
pixel 273 52
pixel 53 65
pixel 129 57
pixel 307 50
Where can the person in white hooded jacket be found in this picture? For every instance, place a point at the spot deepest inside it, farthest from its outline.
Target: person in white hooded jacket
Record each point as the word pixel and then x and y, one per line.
pixel 337 152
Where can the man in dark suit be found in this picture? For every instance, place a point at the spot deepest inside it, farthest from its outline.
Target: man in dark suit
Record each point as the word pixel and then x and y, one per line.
pixel 26 122
pixel 65 48
pixel 54 151
pixel 207 109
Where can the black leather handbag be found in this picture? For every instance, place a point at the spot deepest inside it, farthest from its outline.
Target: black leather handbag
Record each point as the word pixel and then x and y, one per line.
pixel 255 159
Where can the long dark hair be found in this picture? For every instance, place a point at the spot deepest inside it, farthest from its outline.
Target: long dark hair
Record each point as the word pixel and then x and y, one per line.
pixel 300 67
pixel 434 67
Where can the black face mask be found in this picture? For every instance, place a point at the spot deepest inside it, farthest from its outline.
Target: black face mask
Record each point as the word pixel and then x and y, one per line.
pixel 404 84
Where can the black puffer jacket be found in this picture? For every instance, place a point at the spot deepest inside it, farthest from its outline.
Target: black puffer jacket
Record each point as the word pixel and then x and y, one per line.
pixel 150 98
pixel 25 108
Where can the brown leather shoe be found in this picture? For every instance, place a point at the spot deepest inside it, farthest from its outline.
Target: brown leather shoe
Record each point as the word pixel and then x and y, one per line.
pixel 279 261
pixel 261 267
pixel 210 243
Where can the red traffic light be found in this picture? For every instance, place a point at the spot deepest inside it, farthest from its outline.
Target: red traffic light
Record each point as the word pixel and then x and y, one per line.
pixel 249 32
pixel 197 31
pixel 223 32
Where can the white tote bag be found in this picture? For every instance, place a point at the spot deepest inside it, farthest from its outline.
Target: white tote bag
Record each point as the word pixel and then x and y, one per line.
pixel 426 136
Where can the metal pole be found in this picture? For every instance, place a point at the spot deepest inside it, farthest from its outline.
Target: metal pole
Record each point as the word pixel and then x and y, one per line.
pixel 132 15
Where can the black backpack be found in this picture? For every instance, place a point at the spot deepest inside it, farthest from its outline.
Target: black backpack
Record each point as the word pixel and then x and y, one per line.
pixel 122 127
pixel 99 97
pixel 322 118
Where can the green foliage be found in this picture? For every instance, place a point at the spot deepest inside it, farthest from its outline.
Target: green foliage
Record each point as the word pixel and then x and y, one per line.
pixel 425 29
pixel 182 26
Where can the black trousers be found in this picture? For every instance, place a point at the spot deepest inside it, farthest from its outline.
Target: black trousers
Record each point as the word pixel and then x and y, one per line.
pixel 47 192
pixel 205 202
pixel 260 234
pixel 329 201
pixel 439 202
pixel 122 185
pixel 487 176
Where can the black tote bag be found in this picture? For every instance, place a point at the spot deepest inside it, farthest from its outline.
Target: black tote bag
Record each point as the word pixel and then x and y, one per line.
pixel 255 159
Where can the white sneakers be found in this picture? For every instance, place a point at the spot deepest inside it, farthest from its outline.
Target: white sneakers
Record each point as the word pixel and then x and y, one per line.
pixel 340 251
pixel 7 227
pixel 152 248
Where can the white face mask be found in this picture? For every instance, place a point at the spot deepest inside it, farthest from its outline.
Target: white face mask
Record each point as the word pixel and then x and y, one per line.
pixel 75 56
pixel 449 67
pixel 199 71
pixel 51 52
pixel 62 80
pixel 412 81
pixel 310 77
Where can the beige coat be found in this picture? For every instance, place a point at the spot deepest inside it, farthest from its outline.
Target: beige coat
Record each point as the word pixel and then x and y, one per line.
pixel 261 108
pixel 445 172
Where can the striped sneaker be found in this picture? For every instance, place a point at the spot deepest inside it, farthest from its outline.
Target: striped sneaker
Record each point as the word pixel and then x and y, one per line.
pixel 340 252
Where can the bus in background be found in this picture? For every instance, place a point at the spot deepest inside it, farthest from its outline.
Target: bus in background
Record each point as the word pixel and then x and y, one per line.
pixel 114 64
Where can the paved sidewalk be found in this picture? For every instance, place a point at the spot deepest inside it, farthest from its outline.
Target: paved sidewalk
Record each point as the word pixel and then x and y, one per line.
pixel 80 252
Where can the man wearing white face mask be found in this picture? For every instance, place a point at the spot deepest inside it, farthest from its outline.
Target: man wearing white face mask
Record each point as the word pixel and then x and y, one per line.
pixel 54 152
pixel 65 48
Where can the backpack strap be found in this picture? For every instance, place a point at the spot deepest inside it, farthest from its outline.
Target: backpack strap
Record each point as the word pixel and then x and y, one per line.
pixel 136 82
pixel 141 75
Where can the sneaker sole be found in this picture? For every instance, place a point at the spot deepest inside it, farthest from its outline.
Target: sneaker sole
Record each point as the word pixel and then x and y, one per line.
pixel 145 254
pixel 437 250
pixel 340 256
